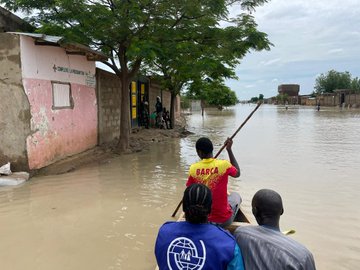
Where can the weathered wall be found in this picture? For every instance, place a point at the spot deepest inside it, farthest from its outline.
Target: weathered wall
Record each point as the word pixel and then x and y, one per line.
pixel 57 133
pixel 328 100
pixel 14 105
pixel 108 95
pixel 353 100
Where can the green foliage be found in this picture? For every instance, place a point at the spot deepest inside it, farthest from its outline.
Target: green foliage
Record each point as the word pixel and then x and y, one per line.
pixel 257 99
pixel 254 99
pixel 282 98
pixel 185 102
pixel 200 48
pixel 327 83
pixel 213 92
pixel 355 84
pixel 197 47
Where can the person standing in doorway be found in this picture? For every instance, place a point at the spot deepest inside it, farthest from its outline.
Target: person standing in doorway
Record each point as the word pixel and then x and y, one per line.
pixel 158 110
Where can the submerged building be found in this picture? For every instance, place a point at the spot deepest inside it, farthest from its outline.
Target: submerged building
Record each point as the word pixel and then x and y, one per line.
pixel 48 105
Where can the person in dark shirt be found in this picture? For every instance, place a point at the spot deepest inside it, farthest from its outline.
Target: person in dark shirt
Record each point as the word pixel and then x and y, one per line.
pixel 159 111
pixel 166 117
pixel 144 114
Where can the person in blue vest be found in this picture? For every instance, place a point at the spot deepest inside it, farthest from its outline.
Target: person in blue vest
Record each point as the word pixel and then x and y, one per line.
pixel 194 243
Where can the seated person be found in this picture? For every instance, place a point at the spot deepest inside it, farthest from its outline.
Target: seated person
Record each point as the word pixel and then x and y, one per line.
pixel 195 242
pixel 214 173
pixel 264 247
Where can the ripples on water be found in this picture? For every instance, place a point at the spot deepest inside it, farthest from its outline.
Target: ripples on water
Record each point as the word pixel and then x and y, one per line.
pixel 106 216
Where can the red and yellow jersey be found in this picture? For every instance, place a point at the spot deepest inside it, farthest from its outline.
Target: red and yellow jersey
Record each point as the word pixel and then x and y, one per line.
pixel 214 174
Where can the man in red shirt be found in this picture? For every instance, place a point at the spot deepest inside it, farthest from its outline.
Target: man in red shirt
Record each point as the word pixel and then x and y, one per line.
pixel 214 174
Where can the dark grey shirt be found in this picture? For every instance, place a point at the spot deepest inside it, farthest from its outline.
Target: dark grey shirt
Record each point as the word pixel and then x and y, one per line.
pixel 264 248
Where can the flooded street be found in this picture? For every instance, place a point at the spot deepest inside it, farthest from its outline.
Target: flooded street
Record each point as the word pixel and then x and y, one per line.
pixel 106 216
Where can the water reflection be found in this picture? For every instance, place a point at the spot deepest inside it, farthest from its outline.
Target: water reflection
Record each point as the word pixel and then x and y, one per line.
pixel 106 216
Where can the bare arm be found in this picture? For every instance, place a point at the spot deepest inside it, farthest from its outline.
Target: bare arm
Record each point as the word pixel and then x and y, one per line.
pixel 232 158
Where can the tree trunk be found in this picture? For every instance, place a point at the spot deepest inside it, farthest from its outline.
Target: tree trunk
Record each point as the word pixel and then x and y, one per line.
pixel 172 109
pixel 123 144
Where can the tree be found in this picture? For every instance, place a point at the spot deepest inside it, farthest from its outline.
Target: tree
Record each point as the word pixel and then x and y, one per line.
pixel 254 99
pixel 282 98
pixel 212 92
pixel 355 84
pixel 200 48
pixel 327 83
pixel 179 58
pixel 125 31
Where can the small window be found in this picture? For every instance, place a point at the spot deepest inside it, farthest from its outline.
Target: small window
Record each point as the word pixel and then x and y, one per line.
pixel 61 95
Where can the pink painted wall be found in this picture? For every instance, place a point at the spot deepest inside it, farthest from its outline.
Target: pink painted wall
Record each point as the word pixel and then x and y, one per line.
pixel 57 133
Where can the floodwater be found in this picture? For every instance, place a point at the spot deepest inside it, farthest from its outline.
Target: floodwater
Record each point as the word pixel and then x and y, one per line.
pixel 106 216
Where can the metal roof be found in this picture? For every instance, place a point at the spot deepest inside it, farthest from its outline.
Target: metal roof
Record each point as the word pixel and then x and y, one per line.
pixel 70 47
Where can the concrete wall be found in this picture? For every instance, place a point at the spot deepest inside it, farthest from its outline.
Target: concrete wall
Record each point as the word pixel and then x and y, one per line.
pixel 327 100
pixel 109 104
pixel 353 100
pixel 14 105
pixel 108 94
pixel 57 133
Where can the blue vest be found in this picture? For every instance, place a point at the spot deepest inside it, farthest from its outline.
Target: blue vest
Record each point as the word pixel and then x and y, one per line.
pixel 182 245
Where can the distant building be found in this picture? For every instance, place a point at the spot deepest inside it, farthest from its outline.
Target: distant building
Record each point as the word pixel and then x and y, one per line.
pixel 10 22
pixel 292 90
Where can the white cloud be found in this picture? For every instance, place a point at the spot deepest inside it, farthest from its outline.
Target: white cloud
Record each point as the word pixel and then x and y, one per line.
pixel 334 51
pixel 270 62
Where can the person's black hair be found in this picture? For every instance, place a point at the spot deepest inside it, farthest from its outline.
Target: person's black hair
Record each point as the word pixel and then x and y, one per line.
pixel 197 202
pixel 267 206
pixel 204 145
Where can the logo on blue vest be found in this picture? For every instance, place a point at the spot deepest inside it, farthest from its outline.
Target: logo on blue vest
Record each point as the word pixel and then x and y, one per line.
pixel 182 253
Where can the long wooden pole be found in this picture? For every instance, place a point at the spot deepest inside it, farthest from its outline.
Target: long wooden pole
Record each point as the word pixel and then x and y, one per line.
pixel 222 148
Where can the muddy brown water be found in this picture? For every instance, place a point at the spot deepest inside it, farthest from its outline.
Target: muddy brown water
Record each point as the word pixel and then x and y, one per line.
pixel 106 216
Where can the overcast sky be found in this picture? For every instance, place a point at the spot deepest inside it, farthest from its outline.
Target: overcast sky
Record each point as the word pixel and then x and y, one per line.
pixel 310 37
